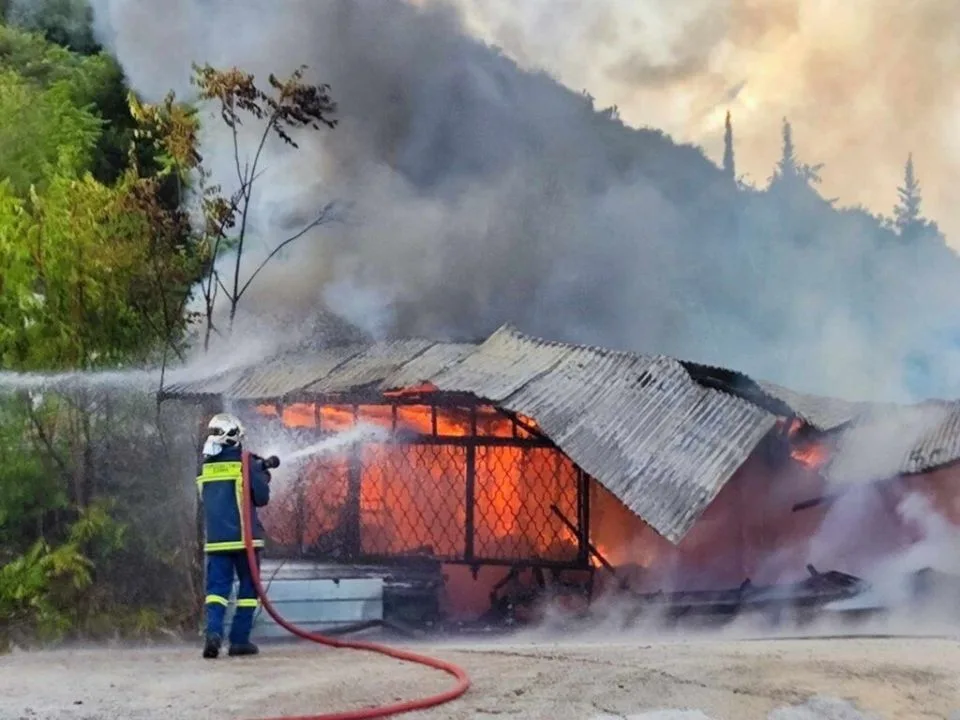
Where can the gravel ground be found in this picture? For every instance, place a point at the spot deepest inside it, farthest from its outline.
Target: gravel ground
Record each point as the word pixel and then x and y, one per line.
pixel 717 679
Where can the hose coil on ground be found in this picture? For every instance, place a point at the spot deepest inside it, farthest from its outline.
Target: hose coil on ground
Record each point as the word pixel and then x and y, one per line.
pixel 462 680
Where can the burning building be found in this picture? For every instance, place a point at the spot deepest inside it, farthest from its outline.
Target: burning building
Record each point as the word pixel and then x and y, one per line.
pixel 520 458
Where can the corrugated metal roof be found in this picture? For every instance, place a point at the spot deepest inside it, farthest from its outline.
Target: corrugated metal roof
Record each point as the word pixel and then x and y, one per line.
pixel 640 425
pixel 501 365
pixel 213 386
pixel 427 364
pixel 822 413
pixel 663 436
pixel 939 446
pixel 290 373
pixel 890 440
pixel 270 379
pixel 661 442
pixel 369 367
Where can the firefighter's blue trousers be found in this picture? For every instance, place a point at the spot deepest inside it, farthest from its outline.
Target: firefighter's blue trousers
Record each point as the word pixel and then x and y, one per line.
pixel 221 567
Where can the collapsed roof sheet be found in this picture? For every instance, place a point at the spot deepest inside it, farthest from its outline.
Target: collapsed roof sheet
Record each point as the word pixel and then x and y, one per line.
pixel 821 413
pixel 640 425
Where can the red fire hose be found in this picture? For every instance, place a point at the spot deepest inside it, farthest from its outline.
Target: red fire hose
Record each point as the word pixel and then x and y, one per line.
pixel 463 682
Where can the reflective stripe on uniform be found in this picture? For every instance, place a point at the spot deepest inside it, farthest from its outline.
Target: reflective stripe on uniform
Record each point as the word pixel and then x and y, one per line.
pixel 216 600
pixel 220 471
pixel 238 496
pixel 229 546
pixel 248 603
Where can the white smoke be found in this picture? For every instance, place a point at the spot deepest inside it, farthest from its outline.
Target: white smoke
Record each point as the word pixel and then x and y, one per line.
pixel 936 549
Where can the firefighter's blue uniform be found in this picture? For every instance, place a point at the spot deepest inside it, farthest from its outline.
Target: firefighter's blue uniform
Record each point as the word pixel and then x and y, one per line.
pixel 219 484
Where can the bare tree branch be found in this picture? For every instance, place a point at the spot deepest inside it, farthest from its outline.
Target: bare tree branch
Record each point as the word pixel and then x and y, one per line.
pixel 45 438
pixel 218 232
pixel 223 287
pixel 245 214
pixel 292 104
pixel 323 217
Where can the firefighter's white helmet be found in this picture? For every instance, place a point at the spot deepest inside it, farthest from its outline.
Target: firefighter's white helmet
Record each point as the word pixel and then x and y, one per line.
pixel 225 429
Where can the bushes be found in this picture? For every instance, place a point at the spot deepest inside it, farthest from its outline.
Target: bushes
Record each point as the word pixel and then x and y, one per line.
pixel 96 517
pixel 49 592
pixel 42 592
pixel 97 537
pixel 34 590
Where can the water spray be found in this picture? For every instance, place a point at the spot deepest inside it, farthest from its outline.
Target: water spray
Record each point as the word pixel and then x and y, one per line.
pixel 361 432
pixel 106 380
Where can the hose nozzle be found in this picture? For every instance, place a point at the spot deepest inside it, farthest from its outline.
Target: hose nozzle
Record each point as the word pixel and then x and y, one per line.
pixel 270 463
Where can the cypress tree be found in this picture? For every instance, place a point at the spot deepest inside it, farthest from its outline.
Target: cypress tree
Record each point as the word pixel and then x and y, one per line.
pixel 729 166
pixel 907 219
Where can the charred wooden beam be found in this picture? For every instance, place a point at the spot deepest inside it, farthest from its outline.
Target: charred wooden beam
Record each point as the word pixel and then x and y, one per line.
pixel 815 502
pixel 583 510
pixel 526 426
pixel 468 441
pixel 590 546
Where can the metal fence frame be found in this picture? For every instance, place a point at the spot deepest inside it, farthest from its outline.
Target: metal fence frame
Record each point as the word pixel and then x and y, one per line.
pixel 523 436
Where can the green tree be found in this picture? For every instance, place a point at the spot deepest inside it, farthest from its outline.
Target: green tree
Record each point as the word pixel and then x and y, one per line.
pixel 68 23
pixel 44 132
pixel 31 493
pixel 96 262
pixel 93 84
pixel 90 278
pixel 87 277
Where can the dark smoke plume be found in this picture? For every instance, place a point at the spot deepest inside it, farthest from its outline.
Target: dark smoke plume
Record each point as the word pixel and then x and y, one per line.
pixel 480 192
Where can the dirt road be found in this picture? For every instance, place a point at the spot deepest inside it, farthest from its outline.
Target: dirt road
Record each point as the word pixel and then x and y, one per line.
pixel 893 679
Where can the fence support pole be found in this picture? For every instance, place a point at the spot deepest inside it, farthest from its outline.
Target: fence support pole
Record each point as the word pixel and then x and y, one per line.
pixel 352 541
pixel 470 499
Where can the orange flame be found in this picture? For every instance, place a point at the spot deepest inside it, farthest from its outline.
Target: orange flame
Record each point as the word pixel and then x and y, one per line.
pixel 413 495
pixel 813 455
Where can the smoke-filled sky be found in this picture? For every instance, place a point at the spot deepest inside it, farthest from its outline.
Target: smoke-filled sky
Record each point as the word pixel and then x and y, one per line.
pixel 476 193
pixel 863 82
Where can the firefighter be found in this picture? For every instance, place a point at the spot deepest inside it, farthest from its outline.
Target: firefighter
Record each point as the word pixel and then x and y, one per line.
pixel 218 483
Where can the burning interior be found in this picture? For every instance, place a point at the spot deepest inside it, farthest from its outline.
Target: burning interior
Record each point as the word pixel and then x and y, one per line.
pixel 518 470
pixel 455 484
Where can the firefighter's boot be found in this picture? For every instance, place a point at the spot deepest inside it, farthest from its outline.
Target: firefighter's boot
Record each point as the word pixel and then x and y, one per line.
pixel 243 649
pixel 211 648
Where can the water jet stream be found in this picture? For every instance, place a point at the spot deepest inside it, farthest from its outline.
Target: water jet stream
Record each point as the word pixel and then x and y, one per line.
pixel 335 443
